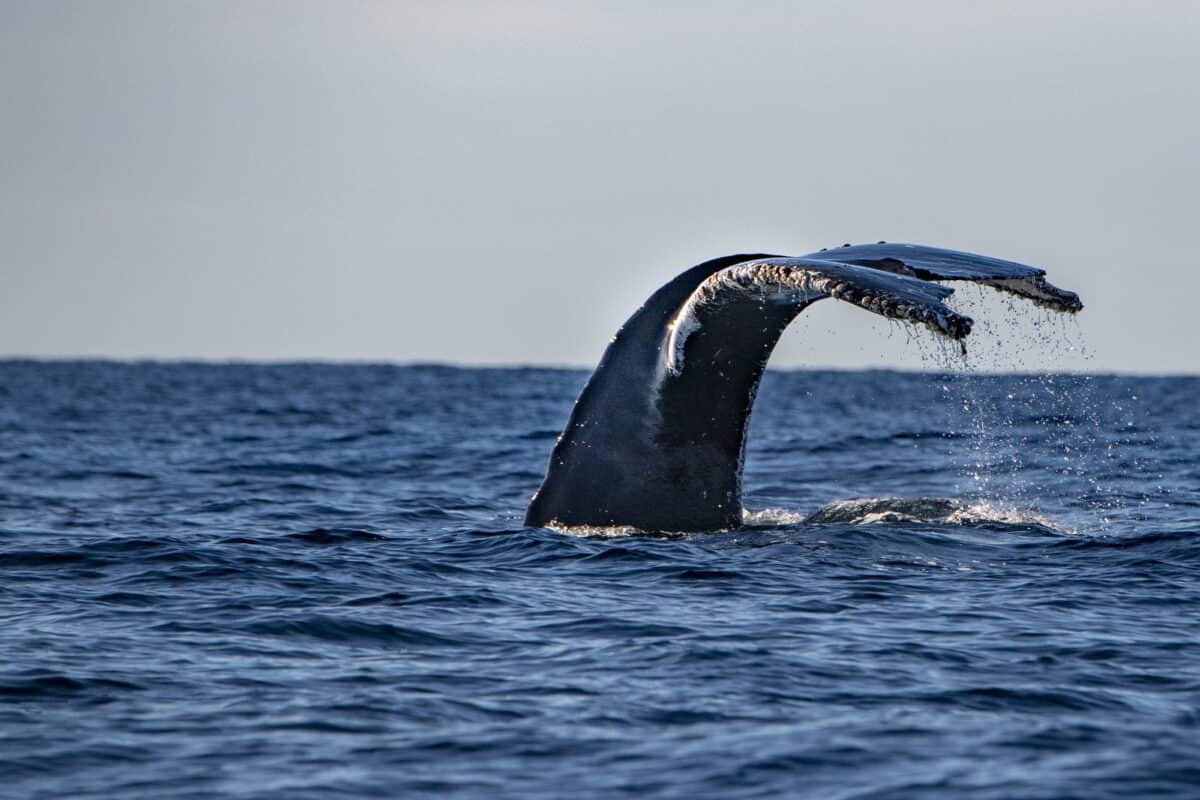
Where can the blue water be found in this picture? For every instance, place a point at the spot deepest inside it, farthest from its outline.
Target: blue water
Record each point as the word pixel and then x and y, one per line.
pixel 312 581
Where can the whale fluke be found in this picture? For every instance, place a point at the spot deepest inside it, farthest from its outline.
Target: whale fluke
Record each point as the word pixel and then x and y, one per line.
pixel 657 437
pixel 937 264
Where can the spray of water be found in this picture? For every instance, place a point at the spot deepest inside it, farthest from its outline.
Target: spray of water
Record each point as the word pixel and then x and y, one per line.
pixel 1043 422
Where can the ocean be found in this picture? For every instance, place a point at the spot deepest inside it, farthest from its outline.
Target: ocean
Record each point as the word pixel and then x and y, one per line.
pixel 312 581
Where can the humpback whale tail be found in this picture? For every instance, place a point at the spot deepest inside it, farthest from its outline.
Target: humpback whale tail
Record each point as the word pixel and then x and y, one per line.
pixel 657 437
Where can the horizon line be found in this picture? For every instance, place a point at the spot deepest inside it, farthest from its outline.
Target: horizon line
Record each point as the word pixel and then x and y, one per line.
pixel 6 359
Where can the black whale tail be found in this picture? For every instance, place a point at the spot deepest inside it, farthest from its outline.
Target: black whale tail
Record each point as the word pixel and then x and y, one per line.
pixel 657 437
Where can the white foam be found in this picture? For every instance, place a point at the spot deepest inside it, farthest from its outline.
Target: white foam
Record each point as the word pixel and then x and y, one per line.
pixel 596 531
pixel 771 517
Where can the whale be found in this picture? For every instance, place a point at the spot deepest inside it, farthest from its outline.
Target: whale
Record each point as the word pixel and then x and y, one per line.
pixel 656 440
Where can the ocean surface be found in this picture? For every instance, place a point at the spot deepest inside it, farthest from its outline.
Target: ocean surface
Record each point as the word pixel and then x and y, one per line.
pixel 312 581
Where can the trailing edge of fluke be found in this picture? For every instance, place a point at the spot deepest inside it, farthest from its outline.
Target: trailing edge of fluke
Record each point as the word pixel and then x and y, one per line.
pixel 657 437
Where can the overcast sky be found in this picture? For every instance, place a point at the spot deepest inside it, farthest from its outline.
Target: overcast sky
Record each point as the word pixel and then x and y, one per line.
pixel 504 183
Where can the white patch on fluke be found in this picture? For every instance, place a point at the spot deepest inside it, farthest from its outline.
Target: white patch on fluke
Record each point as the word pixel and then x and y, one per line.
pixel 771 282
pixel 681 328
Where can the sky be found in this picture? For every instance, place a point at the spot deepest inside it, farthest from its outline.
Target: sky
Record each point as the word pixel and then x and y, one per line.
pixel 505 182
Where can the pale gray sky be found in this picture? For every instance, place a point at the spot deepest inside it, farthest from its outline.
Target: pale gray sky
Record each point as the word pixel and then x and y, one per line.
pixel 505 182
